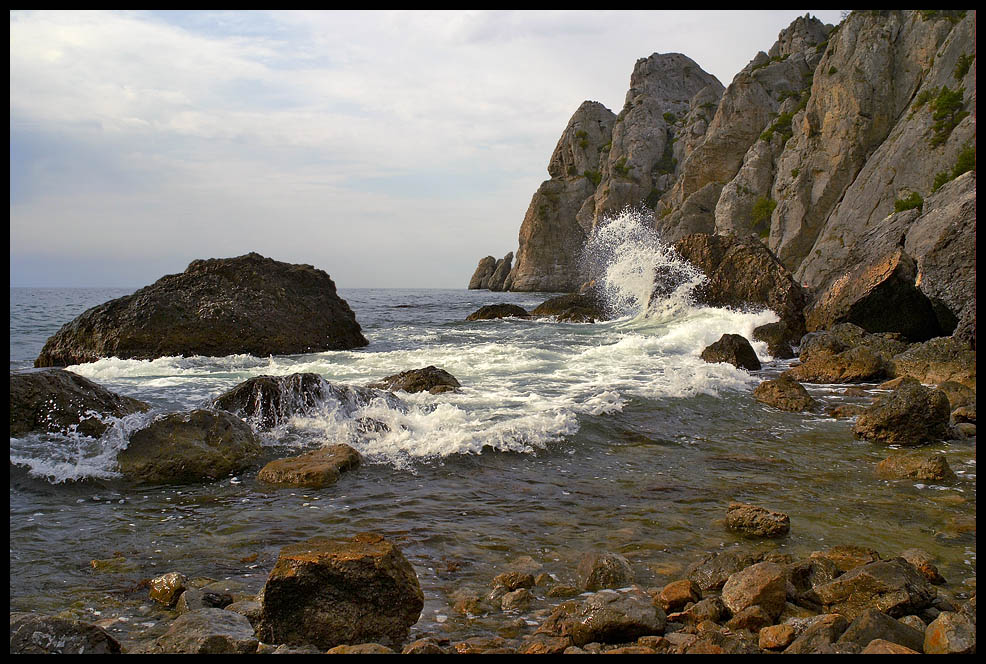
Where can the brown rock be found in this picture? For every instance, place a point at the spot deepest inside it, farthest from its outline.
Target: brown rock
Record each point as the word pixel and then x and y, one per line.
pixel 676 595
pixel 752 619
pixel 873 624
pixel 208 632
pixel 606 617
pixel 316 469
pixel 821 631
pixel 938 361
pixel 33 634
pixel 776 637
pixel 763 584
pixel 361 649
pixel 784 393
pixel 892 586
pixel 513 580
pixel 916 466
pixel 925 564
pixel 542 644
pixel 950 633
pixel 847 557
pixel 331 592
pixel 597 570
pixel 168 587
pixel 757 521
pixel 882 647
pixel 910 415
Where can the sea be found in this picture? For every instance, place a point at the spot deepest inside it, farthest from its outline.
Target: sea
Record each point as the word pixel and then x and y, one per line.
pixel 565 438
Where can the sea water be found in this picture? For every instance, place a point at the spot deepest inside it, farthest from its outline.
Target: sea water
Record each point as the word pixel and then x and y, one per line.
pixel 564 438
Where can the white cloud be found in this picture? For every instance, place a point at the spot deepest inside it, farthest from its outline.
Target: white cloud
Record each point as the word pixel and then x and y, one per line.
pixel 308 133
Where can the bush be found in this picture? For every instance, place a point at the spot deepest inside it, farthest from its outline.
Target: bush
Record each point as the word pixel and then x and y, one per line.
pixel 962 66
pixel 782 126
pixel 670 118
pixel 911 202
pixel 621 169
pixel 965 162
pixel 947 113
pixel 760 215
pixel 594 176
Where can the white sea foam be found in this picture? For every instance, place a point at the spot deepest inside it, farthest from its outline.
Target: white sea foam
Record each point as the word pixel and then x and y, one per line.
pixel 525 383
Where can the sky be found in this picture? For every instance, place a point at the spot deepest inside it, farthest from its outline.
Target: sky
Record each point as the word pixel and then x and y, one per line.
pixel 392 149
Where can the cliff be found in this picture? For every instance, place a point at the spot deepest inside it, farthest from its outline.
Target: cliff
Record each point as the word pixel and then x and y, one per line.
pixel 846 150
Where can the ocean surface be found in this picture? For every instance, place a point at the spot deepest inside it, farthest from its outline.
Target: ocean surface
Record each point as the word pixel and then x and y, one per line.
pixel 564 438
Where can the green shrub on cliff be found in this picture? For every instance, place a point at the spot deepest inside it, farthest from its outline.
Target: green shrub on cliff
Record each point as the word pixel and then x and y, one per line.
pixel 947 113
pixel 594 176
pixel 965 162
pixel 962 66
pixel 910 202
pixel 760 215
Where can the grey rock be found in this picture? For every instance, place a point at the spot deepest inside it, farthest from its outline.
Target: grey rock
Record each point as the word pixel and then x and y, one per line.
pixel 209 632
pixel 33 634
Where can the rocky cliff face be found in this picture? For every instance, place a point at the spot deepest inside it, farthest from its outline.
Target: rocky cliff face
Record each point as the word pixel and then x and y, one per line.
pixel 846 150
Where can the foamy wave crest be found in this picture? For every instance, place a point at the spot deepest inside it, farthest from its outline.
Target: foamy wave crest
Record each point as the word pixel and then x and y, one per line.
pixel 72 456
pixel 635 272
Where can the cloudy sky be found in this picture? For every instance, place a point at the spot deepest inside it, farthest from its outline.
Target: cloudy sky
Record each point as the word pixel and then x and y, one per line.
pixel 391 149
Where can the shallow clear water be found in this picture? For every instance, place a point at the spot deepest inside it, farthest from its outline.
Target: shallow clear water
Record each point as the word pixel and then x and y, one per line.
pixel 564 438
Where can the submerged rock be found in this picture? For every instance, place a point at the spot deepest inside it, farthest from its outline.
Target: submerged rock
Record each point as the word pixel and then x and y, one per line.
pixel 784 393
pixel 56 400
pixel 917 466
pixel 216 307
pixel 33 634
pixel 190 447
pixel 317 469
pixel 733 349
pixel 331 592
pixel 910 415
pixel 757 521
pixel 598 570
pixel 429 379
pixel 494 311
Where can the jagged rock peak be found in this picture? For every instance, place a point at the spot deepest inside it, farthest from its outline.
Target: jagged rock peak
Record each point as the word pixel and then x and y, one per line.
pixel 580 146
pixel 669 80
pixel 804 32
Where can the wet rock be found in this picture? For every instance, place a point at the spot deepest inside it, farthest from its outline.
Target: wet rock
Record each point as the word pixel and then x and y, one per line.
pixel 493 311
pixel 713 570
pixel 513 580
pixel 916 466
pixel 332 591
pixel 709 609
pixel 763 584
pixel 208 632
pixel 856 365
pixel 429 379
pixel 914 622
pixel 361 649
pixel 733 349
pixel 34 634
pixel 846 411
pixel 516 600
pixel 743 272
pixel 189 447
pixel 720 643
pixel 316 469
pixel 249 609
pixel 606 617
pixel 892 586
pixel 752 619
pixel 847 557
pixel 598 570
pixel 881 647
pixel 757 521
pixel 950 633
pixel 563 590
pixel 217 307
pixel 873 624
pixel 572 308
pixel 675 595
pixel 959 395
pixel 542 644
pixel 823 630
pixel 778 337
pixel 482 645
pixel 425 646
pixel 168 587
pixel 776 637
pixel 59 401
pixel 194 599
pixel 785 393
pixel 910 415
pixel 803 575
pixel 268 401
pixel 938 361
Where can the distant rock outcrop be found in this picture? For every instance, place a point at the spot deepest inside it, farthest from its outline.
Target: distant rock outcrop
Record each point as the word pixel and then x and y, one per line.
pixel 216 307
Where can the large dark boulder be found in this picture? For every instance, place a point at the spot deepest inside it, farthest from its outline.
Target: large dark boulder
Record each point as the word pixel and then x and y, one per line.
pixel 744 273
pixel 267 401
pixel 494 311
pixel 879 297
pixel 428 379
pixel 573 308
pixel 910 415
pixel 329 592
pixel 784 393
pixel 190 447
pixel 216 307
pixel 56 400
pixel 735 350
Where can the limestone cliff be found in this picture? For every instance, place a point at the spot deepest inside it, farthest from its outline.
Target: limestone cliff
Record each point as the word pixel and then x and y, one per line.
pixel 847 150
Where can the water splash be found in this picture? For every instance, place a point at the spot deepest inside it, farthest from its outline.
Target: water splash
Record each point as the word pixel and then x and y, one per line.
pixel 636 273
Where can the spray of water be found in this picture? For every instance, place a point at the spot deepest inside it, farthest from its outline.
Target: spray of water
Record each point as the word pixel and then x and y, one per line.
pixel 635 273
